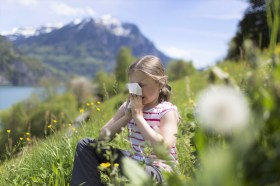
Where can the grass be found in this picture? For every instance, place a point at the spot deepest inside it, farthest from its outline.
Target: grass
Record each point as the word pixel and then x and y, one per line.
pixel 49 161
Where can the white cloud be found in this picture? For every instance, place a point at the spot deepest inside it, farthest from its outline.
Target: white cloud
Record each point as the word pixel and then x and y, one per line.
pixel 201 58
pixel 177 52
pixel 66 10
pixel 205 57
pixel 28 2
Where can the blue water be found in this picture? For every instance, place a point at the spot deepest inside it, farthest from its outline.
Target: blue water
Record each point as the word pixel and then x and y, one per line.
pixel 10 95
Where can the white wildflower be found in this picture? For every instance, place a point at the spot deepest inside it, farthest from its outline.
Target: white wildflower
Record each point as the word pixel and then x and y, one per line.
pixel 222 109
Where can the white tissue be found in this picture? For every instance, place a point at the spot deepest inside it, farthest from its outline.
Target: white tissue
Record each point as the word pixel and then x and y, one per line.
pixel 134 88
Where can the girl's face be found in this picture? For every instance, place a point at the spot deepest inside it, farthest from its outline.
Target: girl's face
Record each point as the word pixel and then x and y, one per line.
pixel 150 88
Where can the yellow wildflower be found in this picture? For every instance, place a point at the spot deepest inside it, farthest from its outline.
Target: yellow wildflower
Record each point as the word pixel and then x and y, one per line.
pixel 98 109
pixel 98 102
pixel 27 133
pixel 105 165
pixel 49 126
pixel 88 104
pixel 116 164
pixel 8 131
pixel 191 102
pixel 55 121
pixel 69 124
pixel 28 139
pixel 73 128
pixel 20 138
pixel 92 103
pixel 82 110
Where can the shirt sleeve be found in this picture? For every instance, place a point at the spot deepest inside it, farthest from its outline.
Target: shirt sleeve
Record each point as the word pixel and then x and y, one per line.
pixel 168 108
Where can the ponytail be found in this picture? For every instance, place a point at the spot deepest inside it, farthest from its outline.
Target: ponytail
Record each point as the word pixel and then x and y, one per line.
pixel 165 93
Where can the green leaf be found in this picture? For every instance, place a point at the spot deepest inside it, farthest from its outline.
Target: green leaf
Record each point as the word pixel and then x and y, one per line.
pixel 135 173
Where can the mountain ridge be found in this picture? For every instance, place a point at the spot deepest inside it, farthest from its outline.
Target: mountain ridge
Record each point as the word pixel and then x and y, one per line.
pixel 82 47
pixel 18 69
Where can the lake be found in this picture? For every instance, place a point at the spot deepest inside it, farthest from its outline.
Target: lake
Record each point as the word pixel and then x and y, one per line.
pixel 10 95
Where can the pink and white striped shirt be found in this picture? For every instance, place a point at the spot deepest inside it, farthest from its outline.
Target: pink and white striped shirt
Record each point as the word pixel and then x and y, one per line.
pixel 138 143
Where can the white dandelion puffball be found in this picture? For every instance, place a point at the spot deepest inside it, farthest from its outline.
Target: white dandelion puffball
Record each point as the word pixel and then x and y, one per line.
pixel 222 109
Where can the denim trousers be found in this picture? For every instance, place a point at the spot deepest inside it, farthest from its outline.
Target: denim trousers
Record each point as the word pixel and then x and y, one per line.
pixel 88 156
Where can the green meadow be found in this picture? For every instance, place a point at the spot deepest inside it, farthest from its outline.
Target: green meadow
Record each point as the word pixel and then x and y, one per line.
pixel 212 151
pixel 205 158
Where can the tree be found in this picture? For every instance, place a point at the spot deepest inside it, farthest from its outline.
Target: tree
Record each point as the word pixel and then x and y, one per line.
pixel 124 59
pixel 253 26
pixel 179 68
pixel 82 89
pixel 105 85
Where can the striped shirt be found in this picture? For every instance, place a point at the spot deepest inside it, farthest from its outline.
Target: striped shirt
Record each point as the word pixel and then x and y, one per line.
pixel 138 143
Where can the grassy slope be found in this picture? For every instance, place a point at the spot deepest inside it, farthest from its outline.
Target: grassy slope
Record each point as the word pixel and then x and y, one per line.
pixel 50 161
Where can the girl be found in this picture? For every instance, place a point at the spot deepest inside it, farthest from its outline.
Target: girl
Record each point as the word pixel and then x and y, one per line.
pixel 150 118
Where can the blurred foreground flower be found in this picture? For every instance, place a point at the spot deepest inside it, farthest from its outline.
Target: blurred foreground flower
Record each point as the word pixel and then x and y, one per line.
pixel 116 164
pixel 105 165
pixel 222 109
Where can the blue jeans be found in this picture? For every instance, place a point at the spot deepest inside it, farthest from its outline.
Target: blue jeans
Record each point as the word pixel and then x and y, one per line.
pixel 88 157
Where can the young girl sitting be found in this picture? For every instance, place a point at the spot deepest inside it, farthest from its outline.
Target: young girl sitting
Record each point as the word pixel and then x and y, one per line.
pixel 150 118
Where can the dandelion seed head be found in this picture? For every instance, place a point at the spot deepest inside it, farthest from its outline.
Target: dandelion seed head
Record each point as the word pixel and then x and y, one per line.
pixel 222 109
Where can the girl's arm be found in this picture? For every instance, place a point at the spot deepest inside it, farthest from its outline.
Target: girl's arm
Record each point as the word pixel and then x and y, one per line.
pixel 168 129
pixel 168 125
pixel 115 124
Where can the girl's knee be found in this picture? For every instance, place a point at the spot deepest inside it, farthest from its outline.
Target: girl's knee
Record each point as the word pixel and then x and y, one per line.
pixel 85 142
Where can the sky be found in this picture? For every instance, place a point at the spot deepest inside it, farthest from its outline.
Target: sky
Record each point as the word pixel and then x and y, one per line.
pixel 196 30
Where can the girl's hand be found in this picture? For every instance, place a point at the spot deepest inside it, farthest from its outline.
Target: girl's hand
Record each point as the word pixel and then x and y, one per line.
pixel 128 114
pixel 136 106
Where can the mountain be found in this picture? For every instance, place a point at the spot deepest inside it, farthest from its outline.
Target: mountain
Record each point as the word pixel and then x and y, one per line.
pixel 84 46
pixel 17 69
pixel 22 33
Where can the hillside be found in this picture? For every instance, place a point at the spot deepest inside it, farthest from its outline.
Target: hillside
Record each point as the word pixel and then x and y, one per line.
pixel 57 150
pixel 235 158
pixel 46 155
pixel 85 46
pixel 18 69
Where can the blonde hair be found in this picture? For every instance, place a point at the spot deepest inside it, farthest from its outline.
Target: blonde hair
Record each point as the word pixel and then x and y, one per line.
pixel 152 66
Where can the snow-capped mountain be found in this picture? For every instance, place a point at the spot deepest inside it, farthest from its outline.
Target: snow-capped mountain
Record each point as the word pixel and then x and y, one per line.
pixel 25 32
pixel 113 25
pixel 84 46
